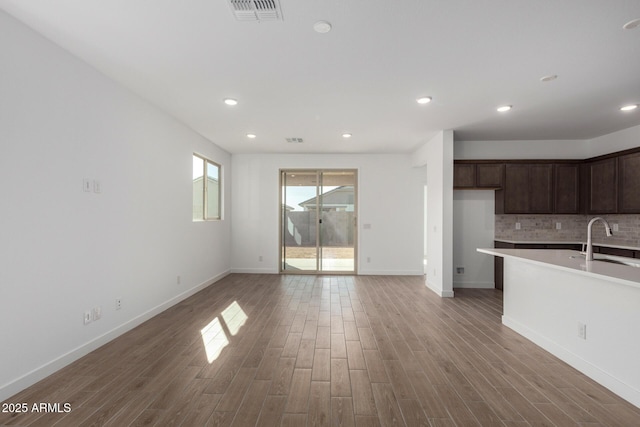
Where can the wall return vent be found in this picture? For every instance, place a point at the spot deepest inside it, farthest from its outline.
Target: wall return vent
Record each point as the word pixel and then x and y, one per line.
pixel 256 10
pixel 295 140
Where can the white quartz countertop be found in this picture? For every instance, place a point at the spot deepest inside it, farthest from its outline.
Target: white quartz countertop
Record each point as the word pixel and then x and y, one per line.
pixel 573 261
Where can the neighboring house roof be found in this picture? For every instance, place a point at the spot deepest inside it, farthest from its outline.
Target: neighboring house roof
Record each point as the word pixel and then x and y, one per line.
pixel 338 197
pixel 200 178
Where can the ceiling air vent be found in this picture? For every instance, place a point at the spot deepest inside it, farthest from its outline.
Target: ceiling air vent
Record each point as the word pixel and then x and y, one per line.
pixel 256 10
pixel 295 140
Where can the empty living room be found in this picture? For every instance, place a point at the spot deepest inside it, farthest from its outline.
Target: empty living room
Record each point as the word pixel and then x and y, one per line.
pixel 245 213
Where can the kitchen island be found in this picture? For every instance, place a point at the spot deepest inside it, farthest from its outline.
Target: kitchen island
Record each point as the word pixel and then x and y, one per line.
pixel 585 313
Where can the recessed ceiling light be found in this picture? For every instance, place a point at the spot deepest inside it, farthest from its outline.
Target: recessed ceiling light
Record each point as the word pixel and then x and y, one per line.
pixel 322 27
pixel 230 101
pixel 504 108
pixel 346 135
pixel 424 100
pixel 629 107
pixel 251 135
pixel 549 78
pixel 632 24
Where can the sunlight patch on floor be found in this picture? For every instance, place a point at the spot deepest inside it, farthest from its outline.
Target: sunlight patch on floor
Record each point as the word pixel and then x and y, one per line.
pixel 214 339
pixel 234 317
pixel 214 335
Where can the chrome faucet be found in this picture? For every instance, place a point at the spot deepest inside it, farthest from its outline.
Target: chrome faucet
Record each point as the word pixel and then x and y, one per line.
pixel 589 256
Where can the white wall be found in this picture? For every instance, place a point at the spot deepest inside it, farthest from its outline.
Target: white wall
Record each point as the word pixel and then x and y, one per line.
pixel 437 154
pixel 64 251
pixel 545 149
pixel 617 141
pixel 473 227
pixel 548 149
pixel 390 200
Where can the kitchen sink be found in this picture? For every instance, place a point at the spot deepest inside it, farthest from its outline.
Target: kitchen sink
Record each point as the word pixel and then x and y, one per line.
pixel 611 260
pixel 615 261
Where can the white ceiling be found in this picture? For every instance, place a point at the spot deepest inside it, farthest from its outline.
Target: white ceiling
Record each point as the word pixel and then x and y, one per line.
pixel 364 76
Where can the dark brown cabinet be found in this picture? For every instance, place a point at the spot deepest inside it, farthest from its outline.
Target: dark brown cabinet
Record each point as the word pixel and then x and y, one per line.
pixel 516 189
pixel 489 175
pixel 602 186
pixel 477 175
pixel 528 188
pixel 541 188
pixel 464 175
pixel 629 183
pixel 566 188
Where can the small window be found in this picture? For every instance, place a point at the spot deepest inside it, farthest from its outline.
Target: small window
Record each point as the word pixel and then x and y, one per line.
pixel 206 192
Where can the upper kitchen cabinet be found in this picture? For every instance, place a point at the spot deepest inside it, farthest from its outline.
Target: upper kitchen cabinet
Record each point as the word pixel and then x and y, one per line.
pixel 528 189
pixel 629 183
pixel 566 188
pixel 607 184
pixel 489 175
pixel 477 175
pixel 602 186
pixel 464 175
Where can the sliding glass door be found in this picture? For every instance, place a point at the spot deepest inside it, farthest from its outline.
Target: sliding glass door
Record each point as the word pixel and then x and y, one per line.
pixel 318 221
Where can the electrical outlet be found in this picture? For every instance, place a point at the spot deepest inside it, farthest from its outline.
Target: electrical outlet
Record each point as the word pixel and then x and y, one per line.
pixel 460 270
pixel 87 317
pixel 368 259
pixel 96 313
pixel 178 280
pixel 616 228
pixel 518 226
pixel 558 226
pixel 118 303
pixel 582 330
pixel 260 258
pixel 86 185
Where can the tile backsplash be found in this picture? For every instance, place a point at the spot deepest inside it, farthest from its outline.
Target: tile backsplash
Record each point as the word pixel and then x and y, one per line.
pixel 573 228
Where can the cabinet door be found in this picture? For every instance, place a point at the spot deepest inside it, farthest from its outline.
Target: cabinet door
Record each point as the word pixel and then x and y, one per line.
pixel 603 186
pixel 567 189
pixel 489 175
pixel 464 175
pixel 541 188
pixel 516 189
pixel 629 183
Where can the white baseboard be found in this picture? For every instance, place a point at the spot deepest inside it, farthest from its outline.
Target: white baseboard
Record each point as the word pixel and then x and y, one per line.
pixel 474 285
pixel 391 273
pixel 441 293
pixel 255 270
pixel 15 386
pixel 614 384
pixel 361 273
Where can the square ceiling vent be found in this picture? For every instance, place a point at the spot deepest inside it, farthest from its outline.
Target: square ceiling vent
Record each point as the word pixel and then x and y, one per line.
pixel 256 10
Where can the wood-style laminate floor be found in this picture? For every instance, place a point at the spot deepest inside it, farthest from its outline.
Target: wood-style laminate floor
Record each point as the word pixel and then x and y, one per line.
pixel 318 350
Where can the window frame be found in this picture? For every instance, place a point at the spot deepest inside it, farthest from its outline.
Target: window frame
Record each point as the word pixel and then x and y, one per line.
pixel 205 191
